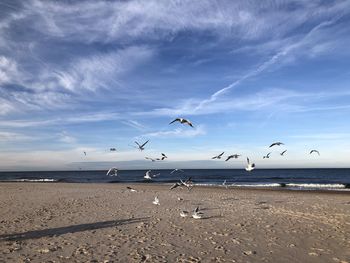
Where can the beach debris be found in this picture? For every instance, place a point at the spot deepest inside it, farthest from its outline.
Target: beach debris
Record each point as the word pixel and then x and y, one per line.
pixel 141 147
pixel 182 121
pixel 156 201
pixel 276 144
pixel 250 166
pixel 112 172
pixel 235 156
pixel 218 156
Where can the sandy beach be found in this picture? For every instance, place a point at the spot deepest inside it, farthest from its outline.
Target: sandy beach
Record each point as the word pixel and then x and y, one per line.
pixel 58 222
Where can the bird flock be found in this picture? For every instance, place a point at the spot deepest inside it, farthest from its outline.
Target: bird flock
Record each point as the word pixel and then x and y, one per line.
pixel 188 183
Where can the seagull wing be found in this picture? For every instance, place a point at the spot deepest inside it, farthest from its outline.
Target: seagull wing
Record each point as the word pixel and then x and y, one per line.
pixel 144 143
pixel 247 160
pixel 228 158
pixel 137 144
pixel 221 154
pixel 177 119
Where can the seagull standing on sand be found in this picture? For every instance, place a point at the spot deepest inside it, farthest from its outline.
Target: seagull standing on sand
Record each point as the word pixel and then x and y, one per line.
pixel 250 166
pixel 182 121
pixel 184 213
pixel 267 156
pixel 112 172
pixel 224 184
pixel 141 146
pixel 131 189
pixel 196 214
pixel 314 151
pixel 276 144
pixel 282 153
pixel 235 156
pixel 218 156
pixel 156 201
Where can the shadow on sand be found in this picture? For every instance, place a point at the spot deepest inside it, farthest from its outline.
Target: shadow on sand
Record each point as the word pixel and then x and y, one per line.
pixel 69 229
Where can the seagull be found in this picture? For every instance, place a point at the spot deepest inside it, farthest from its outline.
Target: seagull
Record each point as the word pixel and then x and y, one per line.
pixel 175 185
pixel 196 214
pixel 151 159
pixel 188 183
pixel 148 175
pixel 267 156
pixel 314 151
pixel 163 156
pixel 112 149
pixel 84 153
pixel 224 184
pixel 141 147
pixel 184 213
pixel 156 201
pixel 180 199
pixel 112 172
pixel 282 153
pixel 176 170
pixel 250 166
pixel 218 156
pixel 131 189
pixel 235 156
pixel 182 121
pixel 276 143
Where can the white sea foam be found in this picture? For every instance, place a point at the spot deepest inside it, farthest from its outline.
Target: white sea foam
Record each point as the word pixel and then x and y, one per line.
pixel 317 186
pixel 32 180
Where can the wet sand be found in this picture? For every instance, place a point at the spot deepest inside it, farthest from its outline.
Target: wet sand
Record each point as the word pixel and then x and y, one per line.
pixel 61 222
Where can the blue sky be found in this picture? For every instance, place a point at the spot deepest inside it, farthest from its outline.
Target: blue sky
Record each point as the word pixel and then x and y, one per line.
pixel 89 75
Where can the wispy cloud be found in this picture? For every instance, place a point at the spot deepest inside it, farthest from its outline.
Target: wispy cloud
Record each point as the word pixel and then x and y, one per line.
pixel 12 136
pixel 177 133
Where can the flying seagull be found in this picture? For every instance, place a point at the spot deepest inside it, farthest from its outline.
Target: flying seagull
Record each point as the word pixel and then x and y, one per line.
pixel 250 166
pixel 175 185
pixel 182 121
pixel 141 147
pixel 112 149
pixel 84 153
pixel 224 184
pixel 156 201
pixel 314 151
pixel 148 175
pixel 235 156
pixel 188 183
pixel 267 156
pixel 163 156
pixel 282 153
pixel 176 170
pixel 276 143
pixel 151 159
pixel 218 156
pixel 112 172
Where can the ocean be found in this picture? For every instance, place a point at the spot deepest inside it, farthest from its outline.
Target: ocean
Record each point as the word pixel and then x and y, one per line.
pixel 301 179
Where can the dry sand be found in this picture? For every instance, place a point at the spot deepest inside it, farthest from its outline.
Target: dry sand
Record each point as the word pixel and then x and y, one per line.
pixel 57 222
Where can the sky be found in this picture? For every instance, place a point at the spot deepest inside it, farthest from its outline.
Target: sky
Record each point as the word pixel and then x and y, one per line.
pixel 89 75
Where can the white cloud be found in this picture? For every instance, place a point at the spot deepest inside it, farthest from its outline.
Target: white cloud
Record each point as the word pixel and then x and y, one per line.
pixel 178 133
pixel 66 138
pixel 12 136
